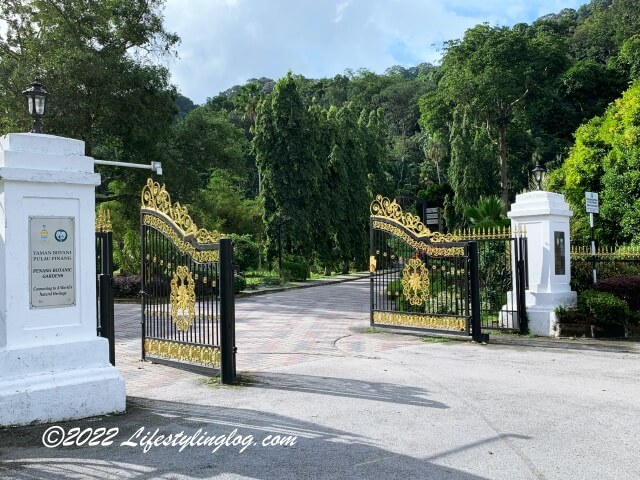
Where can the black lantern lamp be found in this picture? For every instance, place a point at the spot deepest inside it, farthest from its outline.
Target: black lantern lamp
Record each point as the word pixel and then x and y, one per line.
pixel 538 174
pixel 36 99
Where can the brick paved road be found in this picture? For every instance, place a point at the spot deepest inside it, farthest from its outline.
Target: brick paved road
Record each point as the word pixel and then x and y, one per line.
pixel 272 330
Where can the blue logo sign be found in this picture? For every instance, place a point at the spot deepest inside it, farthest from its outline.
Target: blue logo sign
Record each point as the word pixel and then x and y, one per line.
pixel 61 235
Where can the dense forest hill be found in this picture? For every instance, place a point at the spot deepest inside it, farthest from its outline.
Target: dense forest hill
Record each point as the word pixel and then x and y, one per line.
pixel 316 150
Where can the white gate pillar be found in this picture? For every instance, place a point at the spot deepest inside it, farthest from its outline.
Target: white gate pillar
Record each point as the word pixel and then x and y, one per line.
pixel 53 366
pixel 545 217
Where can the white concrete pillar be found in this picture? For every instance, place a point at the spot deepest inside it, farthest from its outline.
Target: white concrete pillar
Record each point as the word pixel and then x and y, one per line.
pixel 53 366
pixel 545 216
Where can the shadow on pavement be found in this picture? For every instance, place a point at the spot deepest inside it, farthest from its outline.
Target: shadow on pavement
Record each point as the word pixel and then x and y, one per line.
pixel 319 452
pixel 346 387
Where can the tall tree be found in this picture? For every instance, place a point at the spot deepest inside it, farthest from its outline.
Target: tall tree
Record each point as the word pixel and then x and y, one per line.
pixel 90 55
pixel 491 72
pixel 97 60
pixel 288 168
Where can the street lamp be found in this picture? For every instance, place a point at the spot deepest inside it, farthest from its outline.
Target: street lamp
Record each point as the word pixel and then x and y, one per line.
pixel 538 174
pixel 36 99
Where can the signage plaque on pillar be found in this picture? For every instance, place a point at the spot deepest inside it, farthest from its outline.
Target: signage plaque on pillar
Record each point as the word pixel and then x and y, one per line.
pixel 52 262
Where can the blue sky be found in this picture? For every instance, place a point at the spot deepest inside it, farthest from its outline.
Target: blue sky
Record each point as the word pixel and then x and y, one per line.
pixel 227 42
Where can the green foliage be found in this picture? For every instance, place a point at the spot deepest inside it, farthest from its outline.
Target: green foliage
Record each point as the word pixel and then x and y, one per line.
pixel 199 150
pixel 290 172
pixel 272 281
pixel 606 159
pixel 119 102
pixel 127 286
pixel 494 265
pixel 296 270
pixel 487 80
pixel 316 151
pixel 239 283
pixel 582 272
pixel 605 308
pixel 487 214
pixel 625 287
pixel 246 252
pixel 628 60
pixel 318 168
pixel 222 206
pixel 126 255
pixel 435 194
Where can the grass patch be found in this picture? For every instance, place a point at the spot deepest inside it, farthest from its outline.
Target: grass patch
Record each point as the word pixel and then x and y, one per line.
pixel 435 339
pixel 243 379
pixel 372 330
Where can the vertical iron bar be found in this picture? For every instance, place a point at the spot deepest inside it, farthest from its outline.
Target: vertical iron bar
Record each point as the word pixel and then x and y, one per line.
pixel 227 313
pixel 522 308
pixel 106 314
pixel 475 292
pixel 372 273
pixel 143 261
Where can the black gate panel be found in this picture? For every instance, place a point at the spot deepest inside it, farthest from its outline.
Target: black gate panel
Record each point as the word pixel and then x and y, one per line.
pixel 182 283
pixel 502 264
pixel 419 279
pixel 104 279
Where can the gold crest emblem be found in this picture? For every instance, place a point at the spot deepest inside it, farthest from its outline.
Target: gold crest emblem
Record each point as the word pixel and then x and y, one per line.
pixel 415 282
pixel 183 298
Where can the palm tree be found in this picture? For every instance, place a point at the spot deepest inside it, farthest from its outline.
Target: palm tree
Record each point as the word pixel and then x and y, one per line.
pixel 487 214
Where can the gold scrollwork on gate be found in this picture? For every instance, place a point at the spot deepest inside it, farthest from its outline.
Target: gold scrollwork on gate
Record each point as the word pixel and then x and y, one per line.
pixel 200 354
pixel 372 263
pixel 155 197
pixel 383 207
pixel 415 282
pixel 432 250
pixel 402 319
pixel 200 256
pixel 183 298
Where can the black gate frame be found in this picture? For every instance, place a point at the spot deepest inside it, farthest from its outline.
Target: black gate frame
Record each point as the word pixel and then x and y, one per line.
pixel 514 305
pixel 104 281
pixel 168 340
pixel 387 216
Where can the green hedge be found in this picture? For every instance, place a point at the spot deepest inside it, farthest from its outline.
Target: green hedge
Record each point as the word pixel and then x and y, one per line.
pixel 246 252
pixel 239 283
pixel 604 308
pixel 295 270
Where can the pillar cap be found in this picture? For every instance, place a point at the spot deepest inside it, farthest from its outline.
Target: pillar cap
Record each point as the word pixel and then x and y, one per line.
pixel 540 203
pixel 41 143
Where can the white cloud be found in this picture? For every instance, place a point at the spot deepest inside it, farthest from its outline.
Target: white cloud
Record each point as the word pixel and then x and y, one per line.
pixel 226 42
pixel 339 10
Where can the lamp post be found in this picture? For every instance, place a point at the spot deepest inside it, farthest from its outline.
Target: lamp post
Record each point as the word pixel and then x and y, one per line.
pixel 36 99
pixel 538 174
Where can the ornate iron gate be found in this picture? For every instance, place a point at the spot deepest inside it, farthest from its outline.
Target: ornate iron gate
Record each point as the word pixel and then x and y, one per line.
pixel 187 288
pixel 421 279
pixel 502 262
pixel 503 274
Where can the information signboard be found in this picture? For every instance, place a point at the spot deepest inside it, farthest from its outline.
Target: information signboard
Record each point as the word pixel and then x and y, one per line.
pixel 52 261
pixel 592 202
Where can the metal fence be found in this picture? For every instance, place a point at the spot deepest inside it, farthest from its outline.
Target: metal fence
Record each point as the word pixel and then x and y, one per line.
pixel 503 276
pixel 608 262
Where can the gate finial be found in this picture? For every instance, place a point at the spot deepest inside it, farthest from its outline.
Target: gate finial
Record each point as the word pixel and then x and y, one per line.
pixel 103 220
